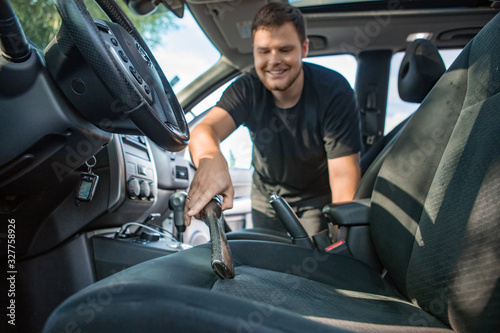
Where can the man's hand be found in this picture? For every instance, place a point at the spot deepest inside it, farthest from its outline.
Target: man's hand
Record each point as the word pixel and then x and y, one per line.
pixel 212 175
pixel 211 178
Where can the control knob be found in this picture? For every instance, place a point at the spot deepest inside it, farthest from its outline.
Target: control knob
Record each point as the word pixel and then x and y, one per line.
pixel 151 191
pixel 133 188
pixel 144 190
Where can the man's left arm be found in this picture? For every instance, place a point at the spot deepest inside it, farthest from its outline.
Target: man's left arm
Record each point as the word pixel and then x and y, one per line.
pixel 345 174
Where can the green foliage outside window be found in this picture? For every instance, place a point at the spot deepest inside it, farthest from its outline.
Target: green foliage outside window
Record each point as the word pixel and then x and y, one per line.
pixel 41 21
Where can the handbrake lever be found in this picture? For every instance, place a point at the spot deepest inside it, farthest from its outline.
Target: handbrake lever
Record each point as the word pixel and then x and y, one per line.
pixel 222 259
pixel 291 222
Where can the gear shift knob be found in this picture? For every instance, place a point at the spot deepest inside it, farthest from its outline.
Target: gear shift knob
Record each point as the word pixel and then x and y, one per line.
pixel 176 203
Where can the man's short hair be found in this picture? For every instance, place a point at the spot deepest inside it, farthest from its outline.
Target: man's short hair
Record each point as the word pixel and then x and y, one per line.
pixel 276 14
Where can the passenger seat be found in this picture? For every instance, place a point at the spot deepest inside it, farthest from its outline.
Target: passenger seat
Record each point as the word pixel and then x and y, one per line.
pixel 421 67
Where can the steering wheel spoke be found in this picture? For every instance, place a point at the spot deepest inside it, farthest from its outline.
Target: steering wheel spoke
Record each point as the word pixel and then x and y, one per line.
pixel 127 69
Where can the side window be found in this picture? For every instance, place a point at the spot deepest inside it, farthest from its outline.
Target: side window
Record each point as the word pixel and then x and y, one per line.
pixel 208 102
pixel 237 148
pixel 397 109
pixel 345 64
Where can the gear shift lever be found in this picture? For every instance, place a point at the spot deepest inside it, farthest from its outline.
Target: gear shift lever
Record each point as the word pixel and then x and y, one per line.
pixel 176 203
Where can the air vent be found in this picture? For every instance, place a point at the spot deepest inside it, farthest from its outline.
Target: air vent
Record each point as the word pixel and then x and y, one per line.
pixel 181 173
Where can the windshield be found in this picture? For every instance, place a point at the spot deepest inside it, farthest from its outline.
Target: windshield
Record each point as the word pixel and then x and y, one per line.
pixel 185 52
pixel 175 42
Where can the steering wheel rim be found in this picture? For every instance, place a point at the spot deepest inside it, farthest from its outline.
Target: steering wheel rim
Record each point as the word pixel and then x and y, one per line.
pixel 160 117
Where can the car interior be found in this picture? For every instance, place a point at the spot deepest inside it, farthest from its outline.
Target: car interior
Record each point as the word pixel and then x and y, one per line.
pixel 94 168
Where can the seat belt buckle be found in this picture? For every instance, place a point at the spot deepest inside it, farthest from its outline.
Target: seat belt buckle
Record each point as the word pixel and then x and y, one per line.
pixel 322 240
pixel 339 247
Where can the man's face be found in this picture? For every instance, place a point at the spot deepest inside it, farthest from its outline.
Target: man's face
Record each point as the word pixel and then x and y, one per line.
pixel 278 55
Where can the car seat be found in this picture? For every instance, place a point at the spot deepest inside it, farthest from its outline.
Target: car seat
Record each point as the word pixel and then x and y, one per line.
pixel 420 69
pixel 434 221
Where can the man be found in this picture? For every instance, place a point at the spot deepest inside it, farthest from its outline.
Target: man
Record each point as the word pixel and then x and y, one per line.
pixel 304 124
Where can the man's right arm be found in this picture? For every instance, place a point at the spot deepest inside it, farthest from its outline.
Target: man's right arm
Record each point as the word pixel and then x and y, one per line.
pixel 212 175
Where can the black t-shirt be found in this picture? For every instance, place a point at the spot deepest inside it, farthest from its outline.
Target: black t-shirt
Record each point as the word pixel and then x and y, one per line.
pixel 291 146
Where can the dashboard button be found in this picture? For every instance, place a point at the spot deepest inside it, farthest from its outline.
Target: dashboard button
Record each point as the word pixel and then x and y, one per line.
pixel 141 170
pixel 123 56
pixel 136 74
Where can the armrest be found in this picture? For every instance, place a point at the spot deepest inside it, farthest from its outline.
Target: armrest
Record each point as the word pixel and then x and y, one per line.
pixel 348 214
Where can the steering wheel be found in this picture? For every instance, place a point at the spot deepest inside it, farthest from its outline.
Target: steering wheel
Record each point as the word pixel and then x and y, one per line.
pixel 128 70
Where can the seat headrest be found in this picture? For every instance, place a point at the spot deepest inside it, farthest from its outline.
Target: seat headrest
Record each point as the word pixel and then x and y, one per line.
pixel 421 68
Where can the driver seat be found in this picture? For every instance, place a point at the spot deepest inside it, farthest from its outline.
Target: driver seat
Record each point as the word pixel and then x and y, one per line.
pixel 434 222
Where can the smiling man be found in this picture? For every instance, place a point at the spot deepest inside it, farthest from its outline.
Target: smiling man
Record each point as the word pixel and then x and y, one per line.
pixel 304 124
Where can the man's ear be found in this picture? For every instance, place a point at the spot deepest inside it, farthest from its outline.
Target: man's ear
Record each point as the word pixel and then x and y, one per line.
pixel 305 48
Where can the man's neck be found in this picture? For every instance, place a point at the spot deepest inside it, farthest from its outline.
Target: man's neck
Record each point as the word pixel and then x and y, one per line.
pixel 289 98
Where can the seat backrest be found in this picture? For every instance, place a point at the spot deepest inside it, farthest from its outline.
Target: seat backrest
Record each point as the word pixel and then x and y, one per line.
pixel 420 69
pixel 435 211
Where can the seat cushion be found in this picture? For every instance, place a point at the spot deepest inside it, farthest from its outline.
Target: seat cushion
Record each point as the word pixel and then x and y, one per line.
pixel 183 287
pixel 324 303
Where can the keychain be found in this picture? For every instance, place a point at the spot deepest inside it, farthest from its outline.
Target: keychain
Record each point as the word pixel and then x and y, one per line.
pixel 88 182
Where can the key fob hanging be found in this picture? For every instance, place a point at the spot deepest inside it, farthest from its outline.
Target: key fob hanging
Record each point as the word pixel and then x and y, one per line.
pixel 87 184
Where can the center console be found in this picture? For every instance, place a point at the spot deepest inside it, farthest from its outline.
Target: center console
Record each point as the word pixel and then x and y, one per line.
pixel 140 174
pixel 142 180
pixel 113 253
pixel 133 180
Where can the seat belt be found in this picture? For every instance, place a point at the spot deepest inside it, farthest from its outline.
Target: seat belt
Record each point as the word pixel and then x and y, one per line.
pixel 369 120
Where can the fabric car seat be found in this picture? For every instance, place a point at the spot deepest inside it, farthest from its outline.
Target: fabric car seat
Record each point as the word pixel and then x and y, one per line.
pixel 434 221
pixel 420 69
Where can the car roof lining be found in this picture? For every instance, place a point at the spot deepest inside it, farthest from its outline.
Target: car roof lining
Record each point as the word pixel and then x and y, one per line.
pixel 343 32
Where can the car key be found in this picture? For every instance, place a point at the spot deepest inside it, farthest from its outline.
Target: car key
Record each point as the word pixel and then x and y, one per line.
pixel 87 185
